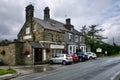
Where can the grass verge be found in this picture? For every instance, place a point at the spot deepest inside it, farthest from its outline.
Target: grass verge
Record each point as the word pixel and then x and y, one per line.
pixel 7 71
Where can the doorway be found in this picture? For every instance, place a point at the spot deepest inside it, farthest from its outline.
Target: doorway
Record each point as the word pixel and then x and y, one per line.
pixel 38 55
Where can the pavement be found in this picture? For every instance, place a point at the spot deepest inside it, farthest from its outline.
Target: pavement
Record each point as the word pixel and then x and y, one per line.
pixel 29 69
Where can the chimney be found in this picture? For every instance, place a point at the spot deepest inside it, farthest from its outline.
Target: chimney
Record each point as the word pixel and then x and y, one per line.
pixel 68 21
pixel 46 13
pixel 29 12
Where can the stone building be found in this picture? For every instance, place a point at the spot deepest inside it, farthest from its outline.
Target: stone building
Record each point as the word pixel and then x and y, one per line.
pixel 40 39
pixel 48 33
pixel 73 39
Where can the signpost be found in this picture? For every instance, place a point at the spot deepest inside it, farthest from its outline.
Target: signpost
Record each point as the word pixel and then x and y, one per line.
pixel 99 50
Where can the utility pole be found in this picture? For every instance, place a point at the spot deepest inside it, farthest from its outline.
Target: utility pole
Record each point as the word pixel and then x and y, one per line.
pixel 114 42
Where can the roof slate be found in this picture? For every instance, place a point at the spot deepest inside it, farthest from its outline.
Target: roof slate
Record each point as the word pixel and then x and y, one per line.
pixel 54 25
pixel 51 24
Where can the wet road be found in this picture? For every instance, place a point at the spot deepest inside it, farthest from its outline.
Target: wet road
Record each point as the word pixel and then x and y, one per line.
pixel 99 69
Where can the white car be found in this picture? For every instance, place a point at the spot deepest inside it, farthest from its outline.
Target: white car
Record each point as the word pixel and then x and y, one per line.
pixel 91 55
pixel 61 58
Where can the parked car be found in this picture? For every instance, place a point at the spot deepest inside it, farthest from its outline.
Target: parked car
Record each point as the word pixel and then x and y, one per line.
pixel 62 58
pixel 82 56
pixel 1 62
pixel 74 57
pixel 91 55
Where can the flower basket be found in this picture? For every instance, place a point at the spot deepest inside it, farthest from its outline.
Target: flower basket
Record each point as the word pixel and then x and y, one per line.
pixel 26 52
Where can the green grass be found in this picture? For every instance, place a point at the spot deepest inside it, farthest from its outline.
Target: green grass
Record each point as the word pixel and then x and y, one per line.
pixel 7 71
pixel 112 55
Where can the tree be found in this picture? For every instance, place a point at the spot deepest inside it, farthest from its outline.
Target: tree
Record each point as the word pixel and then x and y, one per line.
pixel 91 35
pixel 4 42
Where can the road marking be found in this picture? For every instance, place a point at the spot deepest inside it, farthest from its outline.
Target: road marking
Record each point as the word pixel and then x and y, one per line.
pixel 39 77
pixel 115 76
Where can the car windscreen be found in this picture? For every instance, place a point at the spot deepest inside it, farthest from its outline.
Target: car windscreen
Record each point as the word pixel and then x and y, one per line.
pixel 80 53
pixel 67 55
pixel 75 55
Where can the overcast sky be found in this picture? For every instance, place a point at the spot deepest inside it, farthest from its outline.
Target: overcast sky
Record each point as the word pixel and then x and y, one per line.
pixel 106 13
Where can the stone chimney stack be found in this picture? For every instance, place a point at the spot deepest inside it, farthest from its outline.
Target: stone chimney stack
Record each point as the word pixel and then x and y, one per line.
pixel 29 12
pixel 68 21
pixel 46 13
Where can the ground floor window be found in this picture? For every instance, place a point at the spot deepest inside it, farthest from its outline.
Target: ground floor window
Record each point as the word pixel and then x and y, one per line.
pixel 72 49
pixel 55 52
pixel 83 48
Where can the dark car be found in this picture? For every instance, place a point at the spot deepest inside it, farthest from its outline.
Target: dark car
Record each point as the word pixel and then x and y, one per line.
pixel 82 56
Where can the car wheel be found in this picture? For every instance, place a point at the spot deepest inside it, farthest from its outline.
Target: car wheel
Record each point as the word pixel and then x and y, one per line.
pixel 51 62
pixel 64 62
pixel 80 59
pixel 94 58
pixel 90 58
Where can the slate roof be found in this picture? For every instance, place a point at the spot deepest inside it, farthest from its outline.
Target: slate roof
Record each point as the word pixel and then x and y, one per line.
pixel 51 24
pixel 54 25
pixel 36 45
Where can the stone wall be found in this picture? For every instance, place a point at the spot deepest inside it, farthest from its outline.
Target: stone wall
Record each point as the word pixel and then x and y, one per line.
pixel 19 53
pixel 8 56
pixel 28 58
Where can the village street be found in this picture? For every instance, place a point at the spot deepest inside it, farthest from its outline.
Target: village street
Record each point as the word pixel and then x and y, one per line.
pixel 99 69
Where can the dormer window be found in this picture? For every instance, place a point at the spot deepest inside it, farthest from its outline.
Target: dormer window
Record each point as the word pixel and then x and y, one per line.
pixel 28 30
pixel 72 29
pixel 52 24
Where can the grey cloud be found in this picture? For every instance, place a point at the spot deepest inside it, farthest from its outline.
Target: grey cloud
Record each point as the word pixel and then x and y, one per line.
pixel 112 27
pixel 11 16
pixel 81 12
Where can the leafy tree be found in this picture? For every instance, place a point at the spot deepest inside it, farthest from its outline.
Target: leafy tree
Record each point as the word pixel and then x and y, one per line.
pixel 91 35
pixel 5 42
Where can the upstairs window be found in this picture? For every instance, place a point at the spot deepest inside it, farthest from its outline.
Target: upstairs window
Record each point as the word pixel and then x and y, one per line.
pixel 76 38
pixel 52 37
pixel 81 39
pixel 28 30
pixel 70 36
pixel 57 37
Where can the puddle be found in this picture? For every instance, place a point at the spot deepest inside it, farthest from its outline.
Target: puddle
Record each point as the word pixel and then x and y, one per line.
pixel 42 69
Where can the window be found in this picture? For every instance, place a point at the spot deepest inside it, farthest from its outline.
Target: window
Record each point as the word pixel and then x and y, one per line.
pixel 76 38
pixel 72 29
pixel 52 37
pixel 28 30
pixel 81 39
pixel 57 37
pixel 70 35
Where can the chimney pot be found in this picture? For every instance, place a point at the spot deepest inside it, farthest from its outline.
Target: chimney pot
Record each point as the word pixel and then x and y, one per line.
pixel 68 21
pixel 46 13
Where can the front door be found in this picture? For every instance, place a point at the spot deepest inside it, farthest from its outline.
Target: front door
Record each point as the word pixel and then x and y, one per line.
pixel 38 55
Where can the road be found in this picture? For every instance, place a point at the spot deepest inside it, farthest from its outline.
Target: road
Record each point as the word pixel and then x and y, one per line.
pixel 99 69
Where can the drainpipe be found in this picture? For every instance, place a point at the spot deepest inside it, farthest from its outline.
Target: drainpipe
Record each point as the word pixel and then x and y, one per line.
pixel 33 58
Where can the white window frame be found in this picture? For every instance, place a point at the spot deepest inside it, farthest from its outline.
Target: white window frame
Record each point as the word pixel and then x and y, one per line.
pixel 76 38
pixel 80 39
pixel 70 35
pixel 28 30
